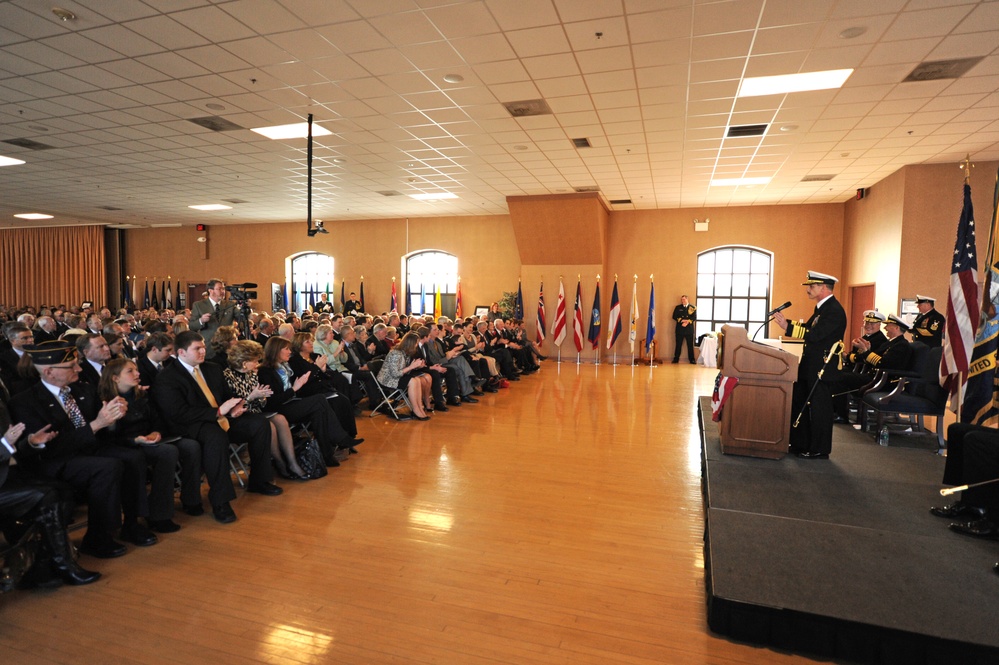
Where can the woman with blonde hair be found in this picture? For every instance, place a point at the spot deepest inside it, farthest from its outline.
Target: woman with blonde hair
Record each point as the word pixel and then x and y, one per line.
pixel 244 358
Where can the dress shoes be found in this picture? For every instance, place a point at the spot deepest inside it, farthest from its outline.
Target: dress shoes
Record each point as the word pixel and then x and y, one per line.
pixel 810 455
pixel 194 510
pixel 267 489
pixel 164 526
pixel 490 389
pixel 421 417
pixel 224 513
pixel 441 408
pixel 477 392
pixel 980 528
pixel 469 400
pixel 350 443
pixel 109 549
pixel 137 534
pixel 958 509
pixel 995 569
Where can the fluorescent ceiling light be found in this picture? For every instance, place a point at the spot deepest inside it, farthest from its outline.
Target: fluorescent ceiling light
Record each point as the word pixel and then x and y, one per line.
pixel 211 206
pixel 33 215
pixel 299 130
pixel 785 83
pixel 434 196
pixel 10 161
pixel 735 182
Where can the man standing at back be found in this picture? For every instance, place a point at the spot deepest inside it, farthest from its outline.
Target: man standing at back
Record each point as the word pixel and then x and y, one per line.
pixel 812 438
pixel 208 314
pixel 196 402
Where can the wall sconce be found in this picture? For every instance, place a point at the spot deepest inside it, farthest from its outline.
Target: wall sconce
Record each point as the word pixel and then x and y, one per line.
pixel 701 226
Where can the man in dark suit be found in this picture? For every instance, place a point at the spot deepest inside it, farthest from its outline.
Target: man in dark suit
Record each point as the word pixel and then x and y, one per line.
pixel 18 336
pixel 45 330
pixel 159 353
pixel 378 346
pixel 111 477
pixel 210 313
pixel 812 438
pixel 29 500
pixel 196 402
pixel 93 352
pixel 265 328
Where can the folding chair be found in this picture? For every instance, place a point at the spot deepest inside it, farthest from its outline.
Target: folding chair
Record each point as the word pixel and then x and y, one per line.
pixel 236 463
pixel 391 400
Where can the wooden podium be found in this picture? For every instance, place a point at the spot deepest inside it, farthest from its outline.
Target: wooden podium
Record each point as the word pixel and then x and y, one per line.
pixel 756 420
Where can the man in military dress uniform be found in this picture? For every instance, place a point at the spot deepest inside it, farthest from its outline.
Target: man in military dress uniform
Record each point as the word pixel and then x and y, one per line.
pixel 873 340
pixel 812 438
pixel 928 327
pixel 684 314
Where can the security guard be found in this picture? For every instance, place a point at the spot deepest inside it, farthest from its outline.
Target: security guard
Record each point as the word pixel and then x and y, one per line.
pixel 929 326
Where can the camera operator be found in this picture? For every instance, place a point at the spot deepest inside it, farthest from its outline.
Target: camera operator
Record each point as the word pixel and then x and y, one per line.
pixel 209 313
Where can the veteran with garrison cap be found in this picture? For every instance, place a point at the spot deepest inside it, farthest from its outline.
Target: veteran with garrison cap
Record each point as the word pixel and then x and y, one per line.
pixel 812 438
pixel 929 326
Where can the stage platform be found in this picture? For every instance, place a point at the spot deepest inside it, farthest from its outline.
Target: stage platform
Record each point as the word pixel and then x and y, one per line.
pixel 841 558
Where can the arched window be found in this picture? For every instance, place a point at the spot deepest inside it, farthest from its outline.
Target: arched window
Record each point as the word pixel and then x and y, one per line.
pixel 427 273
pixel 311 274
pixel 733 286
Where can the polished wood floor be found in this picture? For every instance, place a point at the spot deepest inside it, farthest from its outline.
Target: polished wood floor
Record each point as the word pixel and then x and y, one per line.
pixel 559 521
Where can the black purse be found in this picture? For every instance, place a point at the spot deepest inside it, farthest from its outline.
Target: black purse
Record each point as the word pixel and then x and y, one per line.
pixel 310 459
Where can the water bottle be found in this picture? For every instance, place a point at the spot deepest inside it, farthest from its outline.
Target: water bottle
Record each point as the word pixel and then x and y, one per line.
pixel 883 436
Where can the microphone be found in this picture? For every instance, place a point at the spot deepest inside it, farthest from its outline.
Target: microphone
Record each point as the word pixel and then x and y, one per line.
pixel 779 309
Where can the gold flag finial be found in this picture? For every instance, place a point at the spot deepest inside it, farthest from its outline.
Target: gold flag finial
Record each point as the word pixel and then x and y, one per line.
pixel 966 166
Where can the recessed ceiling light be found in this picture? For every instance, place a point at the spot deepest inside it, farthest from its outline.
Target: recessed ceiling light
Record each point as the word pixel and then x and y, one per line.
pixel 10 161
pixel 211 206
pixel 64 14
pixel 298 130
pixel 38 128
pixel 757 86
pixel 434 196
pixel 852 33
pixel 215 107
pixel 454 78
pixel 33 215
pixel 520 147
pixel 735 182
pixel 788 128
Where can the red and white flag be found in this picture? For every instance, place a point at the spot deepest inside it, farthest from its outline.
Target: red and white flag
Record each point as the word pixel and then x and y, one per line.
pixel 558 325
pixel 724 385
pixel 577 319
pixel 541 315
pixel 963 298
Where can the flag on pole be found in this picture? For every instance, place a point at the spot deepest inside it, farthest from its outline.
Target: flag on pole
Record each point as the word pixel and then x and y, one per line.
pixel 594 333
pixel 145 296
pixel 343 297
pixel 155 302
pixel 181 298
pixel 127 295
pixel 423 298
pixel 577 318
pixel 540 335
pixel 650 330
pixel 633 316
pixel 457 301
pixel 518 305
pixel 558 325
pixel 963 315
pixel 136 294
pixel 361 301
pixel 437 302
pixel 614 323
pixel 395 300
pixel 168 296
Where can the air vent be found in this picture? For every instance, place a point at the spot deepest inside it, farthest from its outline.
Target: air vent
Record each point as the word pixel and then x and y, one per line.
pixel 528 107
pixel 235 201
pixel 108 208
pixel 125 226
pixel 581 143
pixel 820 177
pixel 740 131
pixel 215 123
pixel 587 188
pixel 389 192
pixel 620 202
pixel 29 144
pixel 941 69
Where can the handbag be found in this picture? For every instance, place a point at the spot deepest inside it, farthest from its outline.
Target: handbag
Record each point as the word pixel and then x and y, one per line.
pixel 310 459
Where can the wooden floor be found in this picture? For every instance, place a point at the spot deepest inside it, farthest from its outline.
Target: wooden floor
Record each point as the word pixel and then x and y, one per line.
pixel 559 521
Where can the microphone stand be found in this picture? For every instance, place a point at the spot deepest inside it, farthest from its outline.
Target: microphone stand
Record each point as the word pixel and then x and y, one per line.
pixel 769 319
pixel 833 352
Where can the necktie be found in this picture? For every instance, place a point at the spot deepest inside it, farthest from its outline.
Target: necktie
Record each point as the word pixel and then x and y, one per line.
pixel 72 408
pixel 218 307
pixel 200 380
pixel 159 366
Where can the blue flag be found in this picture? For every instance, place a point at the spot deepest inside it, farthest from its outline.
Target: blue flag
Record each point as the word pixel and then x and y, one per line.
pixel 518 306
pixel 594 333
pixel 145 296
pixel 361 302
pixel 650 331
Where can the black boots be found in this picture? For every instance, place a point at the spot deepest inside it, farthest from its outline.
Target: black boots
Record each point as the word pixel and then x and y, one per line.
pixel 60 551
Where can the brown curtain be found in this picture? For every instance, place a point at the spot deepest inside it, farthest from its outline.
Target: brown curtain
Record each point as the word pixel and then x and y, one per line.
pixel 52 266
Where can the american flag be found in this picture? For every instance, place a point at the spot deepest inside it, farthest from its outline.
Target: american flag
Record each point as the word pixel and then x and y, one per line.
pixel 577 318
pixel 558 325
pixel 724 385
pixel 963 315
pixel 541 314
